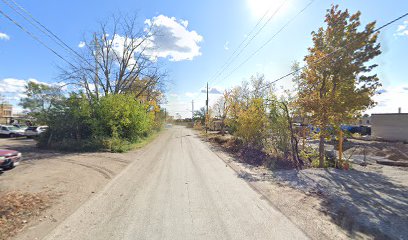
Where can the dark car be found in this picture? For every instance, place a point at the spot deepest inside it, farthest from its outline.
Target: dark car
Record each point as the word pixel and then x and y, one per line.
pixel 9 159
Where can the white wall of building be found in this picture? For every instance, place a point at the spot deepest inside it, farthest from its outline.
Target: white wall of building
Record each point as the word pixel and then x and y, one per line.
pixel 393 126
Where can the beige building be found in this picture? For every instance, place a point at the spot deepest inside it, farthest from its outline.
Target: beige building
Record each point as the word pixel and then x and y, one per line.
pixel 6 111
pixel 390 126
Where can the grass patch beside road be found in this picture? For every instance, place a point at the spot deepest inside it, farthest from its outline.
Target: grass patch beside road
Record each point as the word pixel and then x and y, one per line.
pixel 120 146
pixel 143 142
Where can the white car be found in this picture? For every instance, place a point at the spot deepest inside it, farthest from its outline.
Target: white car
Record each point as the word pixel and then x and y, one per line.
pixel 11 131
pixel 35 131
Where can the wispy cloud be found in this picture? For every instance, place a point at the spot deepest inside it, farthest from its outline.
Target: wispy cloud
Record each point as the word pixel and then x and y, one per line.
pixel 402 29
pixel 212 90
pixel 390 98
pixel 81 44
pixel 226 45
pixel 4 36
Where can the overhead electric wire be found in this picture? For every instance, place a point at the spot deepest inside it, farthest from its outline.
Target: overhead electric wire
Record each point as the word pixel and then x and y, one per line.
pixel 335 51
pixel 268 41
pixel 243 41
pixel 34 37
pixel 232 57
pixel 46 32
pixel 42 28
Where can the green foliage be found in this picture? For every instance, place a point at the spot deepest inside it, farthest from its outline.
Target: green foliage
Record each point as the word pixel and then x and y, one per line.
pixel 40 100
pixel 337 89
pixel 122 116
pixel 252 123
pixel 114 122
pixel 280 134
pixel 199 115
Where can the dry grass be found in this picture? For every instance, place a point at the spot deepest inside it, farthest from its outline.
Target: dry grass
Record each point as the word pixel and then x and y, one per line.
pixel 248 155
pixel 17 208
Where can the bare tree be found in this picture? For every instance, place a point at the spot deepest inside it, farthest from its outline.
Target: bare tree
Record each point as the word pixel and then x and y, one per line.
pixel 221 108
pixel 119 58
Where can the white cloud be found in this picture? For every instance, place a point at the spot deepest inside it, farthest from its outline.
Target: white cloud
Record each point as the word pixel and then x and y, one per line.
pixel 402 29
pixel 12 89
pixel 184 23
pixel 4 36
pixel 212 90
pixel 81 44
pixel 226 45
pixel 172 39
pixel 12 85
pixel 120 43
pixel 390 99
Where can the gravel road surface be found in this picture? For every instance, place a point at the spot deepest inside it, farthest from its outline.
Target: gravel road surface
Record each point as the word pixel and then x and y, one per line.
pixel 177 189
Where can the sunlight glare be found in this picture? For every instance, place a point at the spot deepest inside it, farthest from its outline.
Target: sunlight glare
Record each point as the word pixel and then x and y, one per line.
pixel 259 7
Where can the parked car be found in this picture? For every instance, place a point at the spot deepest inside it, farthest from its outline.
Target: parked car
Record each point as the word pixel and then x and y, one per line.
pixel 11 131
pixel 35 131
pixel 9 159
pixel 23 127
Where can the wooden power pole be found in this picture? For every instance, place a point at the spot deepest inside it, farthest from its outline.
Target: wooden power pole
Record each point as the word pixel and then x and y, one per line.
pixel 206 112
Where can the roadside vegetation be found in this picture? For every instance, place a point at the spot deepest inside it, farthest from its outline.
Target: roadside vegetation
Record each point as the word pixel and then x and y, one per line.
pixel 109 97
pixel 329 92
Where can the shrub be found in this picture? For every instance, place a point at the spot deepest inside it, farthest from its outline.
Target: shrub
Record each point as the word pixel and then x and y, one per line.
pixel 251 124
pixel 122 116
pixel 113 122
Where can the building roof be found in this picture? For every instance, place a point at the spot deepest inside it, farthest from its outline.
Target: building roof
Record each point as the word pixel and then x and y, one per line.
pixel 389 114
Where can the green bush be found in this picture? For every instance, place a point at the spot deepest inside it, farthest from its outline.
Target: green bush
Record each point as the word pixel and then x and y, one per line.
pixel 122 116
pixel 113 122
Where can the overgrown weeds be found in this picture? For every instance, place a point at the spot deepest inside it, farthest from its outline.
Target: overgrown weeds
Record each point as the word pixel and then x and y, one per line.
pixel 250 155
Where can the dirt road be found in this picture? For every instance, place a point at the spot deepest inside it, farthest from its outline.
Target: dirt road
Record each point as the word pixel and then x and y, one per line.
pixel 177 189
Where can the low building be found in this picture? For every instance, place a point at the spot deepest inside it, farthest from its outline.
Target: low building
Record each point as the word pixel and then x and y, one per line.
pixel 363 121
pixel 390 126
pixel 6 111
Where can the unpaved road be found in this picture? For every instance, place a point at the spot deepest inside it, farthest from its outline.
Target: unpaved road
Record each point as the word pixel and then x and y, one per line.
pixel 177 189
pixel 69 179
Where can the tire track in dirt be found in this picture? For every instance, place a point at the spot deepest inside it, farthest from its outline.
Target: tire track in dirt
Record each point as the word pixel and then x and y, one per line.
pixel 106 173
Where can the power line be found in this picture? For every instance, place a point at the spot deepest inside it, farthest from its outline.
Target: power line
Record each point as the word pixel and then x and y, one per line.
pixel 335 51
pixel 232 58
pixel 243 41
pixel 34 37
pixel 29 20
pixel 42 28
pixel 268 41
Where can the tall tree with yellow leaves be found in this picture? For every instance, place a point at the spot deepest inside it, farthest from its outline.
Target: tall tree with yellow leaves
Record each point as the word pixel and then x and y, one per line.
pixel 336 84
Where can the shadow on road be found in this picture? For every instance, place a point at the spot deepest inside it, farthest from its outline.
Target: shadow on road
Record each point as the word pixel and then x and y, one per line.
pixel 358 201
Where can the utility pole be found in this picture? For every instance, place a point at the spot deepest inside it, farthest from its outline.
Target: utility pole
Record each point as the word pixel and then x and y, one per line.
pixel 206 113
pixel 192 112
pixel 165 115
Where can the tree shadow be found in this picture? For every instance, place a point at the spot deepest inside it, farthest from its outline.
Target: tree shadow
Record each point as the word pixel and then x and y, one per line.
pixel 359 201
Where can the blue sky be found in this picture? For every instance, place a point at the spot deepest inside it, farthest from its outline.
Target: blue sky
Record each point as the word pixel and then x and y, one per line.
pixel 212 30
